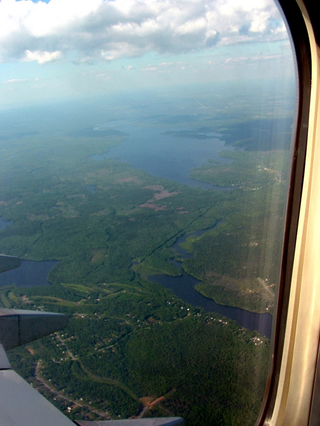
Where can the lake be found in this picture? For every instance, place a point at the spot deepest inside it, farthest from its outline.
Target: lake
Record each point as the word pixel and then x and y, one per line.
pixel 30 274
pixel 165 155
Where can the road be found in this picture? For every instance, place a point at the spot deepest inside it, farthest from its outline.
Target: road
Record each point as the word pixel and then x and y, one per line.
pixel 54 392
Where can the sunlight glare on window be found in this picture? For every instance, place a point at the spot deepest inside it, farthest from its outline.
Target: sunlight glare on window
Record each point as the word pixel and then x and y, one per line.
pixel 146 149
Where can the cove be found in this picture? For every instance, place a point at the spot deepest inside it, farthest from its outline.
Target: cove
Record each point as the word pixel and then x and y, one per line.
pixel 29 274
pixel 184 287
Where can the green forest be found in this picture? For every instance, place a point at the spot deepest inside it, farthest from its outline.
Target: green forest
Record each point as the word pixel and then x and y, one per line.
pixel 132 348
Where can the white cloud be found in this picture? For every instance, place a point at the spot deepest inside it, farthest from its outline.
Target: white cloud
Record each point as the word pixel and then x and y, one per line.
pixel 41 57
pixel 246 60
pixel 15 81
pixel 20 80
pixel 103 76
pixel 235 60
pixel 106 30
pixel 149 68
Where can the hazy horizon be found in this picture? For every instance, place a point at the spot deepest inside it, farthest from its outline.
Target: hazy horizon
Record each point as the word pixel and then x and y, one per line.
pixel 69 50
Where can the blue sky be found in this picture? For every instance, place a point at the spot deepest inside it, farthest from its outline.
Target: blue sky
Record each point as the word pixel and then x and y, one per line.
pixel 74 48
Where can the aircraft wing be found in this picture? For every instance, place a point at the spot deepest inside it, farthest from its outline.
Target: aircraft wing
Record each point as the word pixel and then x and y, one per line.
pixel 20 404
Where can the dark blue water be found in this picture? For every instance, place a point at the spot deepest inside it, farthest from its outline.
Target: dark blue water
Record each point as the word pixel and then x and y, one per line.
pixel 90 188
pixel 3 223
pixel 184 288
pixel 29 274
pixel 164 155
pixel 195 234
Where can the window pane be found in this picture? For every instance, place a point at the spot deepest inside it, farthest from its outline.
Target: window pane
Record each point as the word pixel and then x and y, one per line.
pixel 145 160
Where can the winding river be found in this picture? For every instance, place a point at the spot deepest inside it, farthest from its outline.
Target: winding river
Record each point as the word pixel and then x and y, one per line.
pixel 184 287
pixel 172 158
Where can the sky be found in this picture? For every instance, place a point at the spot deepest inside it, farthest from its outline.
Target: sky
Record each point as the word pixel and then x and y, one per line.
pixel 73 48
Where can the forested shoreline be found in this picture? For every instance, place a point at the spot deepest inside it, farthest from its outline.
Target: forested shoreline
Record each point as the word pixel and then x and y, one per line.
pixel 132 348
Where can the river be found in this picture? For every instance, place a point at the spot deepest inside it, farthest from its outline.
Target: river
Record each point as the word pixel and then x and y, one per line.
pixel 164 155
pixel 184 287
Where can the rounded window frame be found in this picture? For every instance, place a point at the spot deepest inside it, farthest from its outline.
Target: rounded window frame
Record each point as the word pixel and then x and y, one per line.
pixel 291 385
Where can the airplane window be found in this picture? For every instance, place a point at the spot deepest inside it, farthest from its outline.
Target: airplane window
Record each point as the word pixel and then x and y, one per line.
pixel 146 152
